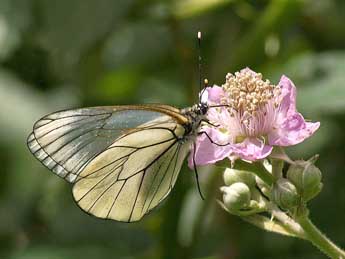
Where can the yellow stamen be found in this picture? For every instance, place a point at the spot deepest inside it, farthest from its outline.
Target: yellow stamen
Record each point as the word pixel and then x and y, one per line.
pixel 247 91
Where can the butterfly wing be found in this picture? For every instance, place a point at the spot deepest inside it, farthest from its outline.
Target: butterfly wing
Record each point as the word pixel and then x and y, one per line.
pixel 134 174
pixel 65 142
pixel 123 160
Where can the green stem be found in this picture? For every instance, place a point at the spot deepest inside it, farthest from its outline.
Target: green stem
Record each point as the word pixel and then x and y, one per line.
pixel 277 168
pixel 314 235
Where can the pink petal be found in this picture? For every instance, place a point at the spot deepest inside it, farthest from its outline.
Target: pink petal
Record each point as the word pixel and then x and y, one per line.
pixel 292 131
pixel 290 128
pixel 205 151
pixel 215 93
pixel 251 149
pixel 288 102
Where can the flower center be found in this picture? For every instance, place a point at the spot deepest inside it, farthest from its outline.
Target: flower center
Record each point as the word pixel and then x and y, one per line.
pixel 253 103
pixel 247 92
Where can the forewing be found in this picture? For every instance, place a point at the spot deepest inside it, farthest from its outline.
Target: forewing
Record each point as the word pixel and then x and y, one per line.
pixel 67 141
pixel 134 174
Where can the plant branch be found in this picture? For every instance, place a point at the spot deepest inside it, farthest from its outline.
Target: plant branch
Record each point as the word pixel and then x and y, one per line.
pixel 314 235
pixel 277 169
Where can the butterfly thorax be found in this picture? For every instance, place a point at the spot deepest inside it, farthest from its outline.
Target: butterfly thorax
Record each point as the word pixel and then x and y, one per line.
pixel 195 115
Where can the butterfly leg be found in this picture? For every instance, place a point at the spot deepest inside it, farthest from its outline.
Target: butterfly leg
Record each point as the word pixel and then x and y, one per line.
pixel 211 140
pixel 209 123
pixel 196 173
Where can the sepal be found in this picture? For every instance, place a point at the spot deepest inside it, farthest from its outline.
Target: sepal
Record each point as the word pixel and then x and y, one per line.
pixel 264 188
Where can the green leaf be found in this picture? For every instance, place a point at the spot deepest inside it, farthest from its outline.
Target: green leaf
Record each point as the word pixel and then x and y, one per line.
pixel 267 224
pixel 188 8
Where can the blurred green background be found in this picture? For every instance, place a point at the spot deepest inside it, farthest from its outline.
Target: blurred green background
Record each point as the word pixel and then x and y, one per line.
pixel 66 54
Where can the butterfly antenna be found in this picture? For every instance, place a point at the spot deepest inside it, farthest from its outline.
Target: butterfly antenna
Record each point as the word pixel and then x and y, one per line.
pixel 199 64
pixel 202 83
pixel 197 175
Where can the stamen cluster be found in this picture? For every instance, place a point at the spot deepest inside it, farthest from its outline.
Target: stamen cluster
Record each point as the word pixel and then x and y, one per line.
pixel 247 91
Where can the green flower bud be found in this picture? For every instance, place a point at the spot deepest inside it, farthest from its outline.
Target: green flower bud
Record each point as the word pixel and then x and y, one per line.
pixel 306 177
pixel 285 194
pixel 232 176
pixel 236 196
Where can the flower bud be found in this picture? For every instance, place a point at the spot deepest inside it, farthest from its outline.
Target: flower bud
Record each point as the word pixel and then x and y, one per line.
pixel 306 177
pixel 236 196
pixel 232 176
pixel 284 194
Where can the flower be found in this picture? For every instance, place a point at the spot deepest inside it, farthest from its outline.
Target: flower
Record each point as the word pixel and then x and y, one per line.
pixel 256 116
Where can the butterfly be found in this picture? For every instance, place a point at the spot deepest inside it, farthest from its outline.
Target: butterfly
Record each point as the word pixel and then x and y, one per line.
pixel 122 160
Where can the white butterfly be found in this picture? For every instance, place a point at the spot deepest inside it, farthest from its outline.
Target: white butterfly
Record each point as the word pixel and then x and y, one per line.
pixel 122 160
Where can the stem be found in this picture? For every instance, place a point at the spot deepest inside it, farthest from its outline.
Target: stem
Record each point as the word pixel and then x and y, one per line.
pixel 277 169
pixel 314 235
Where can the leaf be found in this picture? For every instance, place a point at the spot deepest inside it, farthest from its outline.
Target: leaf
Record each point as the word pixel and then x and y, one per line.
pixel 188 8
pixel 267 224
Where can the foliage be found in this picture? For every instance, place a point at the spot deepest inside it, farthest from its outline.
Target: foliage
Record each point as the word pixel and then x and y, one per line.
pixel 65 54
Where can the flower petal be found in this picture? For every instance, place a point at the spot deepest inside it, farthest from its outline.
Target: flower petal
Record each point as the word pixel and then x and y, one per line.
pixel 251 149
pixel 215 93
pixel 292 131
pixel 207 152
pixel 288 101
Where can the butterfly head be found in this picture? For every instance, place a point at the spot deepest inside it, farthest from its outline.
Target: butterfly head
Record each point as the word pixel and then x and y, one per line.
pixel 202 108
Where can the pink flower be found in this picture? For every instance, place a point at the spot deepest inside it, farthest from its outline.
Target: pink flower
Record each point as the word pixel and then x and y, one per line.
pixel 258 116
